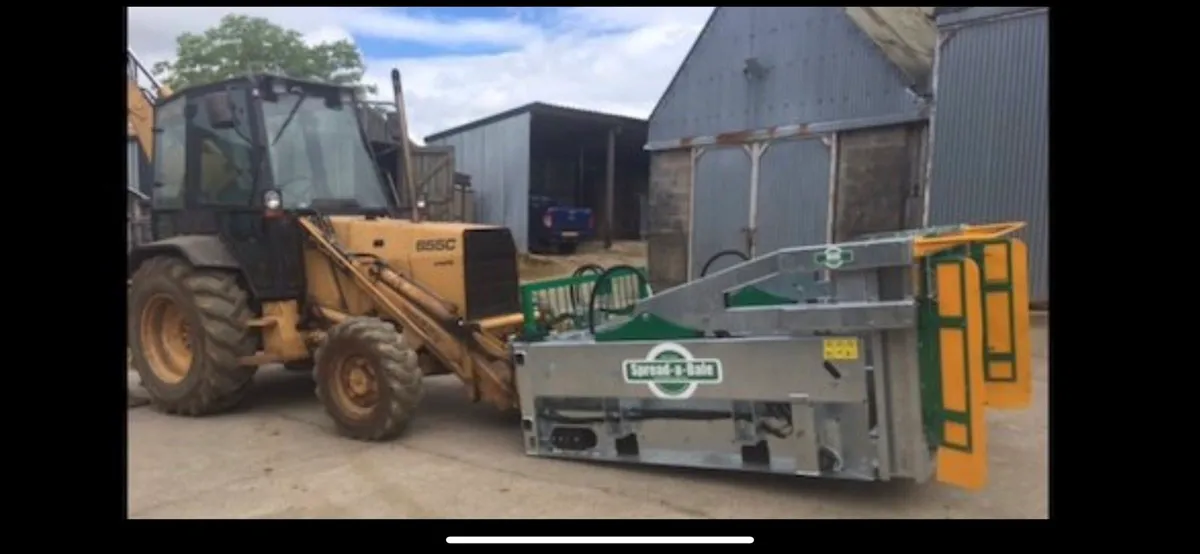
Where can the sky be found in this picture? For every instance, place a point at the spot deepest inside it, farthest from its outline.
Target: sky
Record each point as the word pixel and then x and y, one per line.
pixel 461 64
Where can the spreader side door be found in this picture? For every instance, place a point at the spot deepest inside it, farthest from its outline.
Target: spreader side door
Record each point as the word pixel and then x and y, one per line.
pixel 1008 372
pixel 952 370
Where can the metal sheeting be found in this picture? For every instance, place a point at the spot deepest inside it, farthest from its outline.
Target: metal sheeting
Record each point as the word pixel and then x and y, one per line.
pixel 810 64
pixel 496 156
pixel 792 199
pixel 991 132
pixel 720 206
pixel 132 166
pixel 793 195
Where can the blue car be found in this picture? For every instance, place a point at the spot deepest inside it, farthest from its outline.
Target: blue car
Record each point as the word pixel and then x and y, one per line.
pixel 554 227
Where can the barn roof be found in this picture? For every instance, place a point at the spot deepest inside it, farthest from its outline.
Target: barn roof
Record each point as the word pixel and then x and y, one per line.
pixel 541 109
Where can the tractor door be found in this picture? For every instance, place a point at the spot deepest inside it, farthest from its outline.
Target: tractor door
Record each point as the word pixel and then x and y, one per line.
pixel 169 162
pixel 223 199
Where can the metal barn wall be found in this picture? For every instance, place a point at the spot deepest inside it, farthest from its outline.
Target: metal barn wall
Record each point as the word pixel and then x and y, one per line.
pixel 496 156
pixel 822 73
pixel 790 205
pixel 820 68
pixel 990 127
pixel 721 205
pixel 793 194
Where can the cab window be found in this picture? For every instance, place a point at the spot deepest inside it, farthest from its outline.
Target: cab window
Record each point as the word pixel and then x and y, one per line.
pixel 170 156
pixel 225 175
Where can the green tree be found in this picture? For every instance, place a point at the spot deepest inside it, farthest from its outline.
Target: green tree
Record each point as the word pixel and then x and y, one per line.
pixel 240 44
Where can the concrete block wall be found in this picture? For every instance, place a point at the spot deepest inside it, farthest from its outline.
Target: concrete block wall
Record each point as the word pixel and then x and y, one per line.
pixel 670 214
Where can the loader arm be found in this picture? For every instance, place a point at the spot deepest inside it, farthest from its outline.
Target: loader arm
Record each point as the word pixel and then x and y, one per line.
pixel 479 359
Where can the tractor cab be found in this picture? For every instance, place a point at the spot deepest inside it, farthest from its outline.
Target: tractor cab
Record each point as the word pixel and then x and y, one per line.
pixel 234 158
pixel 266 142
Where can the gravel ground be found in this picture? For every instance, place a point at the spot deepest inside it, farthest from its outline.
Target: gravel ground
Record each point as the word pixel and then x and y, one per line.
pixel 278 457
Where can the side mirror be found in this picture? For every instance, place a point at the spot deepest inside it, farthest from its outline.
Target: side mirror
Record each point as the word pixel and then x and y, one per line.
pixel 220 110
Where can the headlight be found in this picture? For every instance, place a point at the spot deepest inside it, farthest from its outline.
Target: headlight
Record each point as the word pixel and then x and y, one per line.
pixel 272 200
pixel 421 204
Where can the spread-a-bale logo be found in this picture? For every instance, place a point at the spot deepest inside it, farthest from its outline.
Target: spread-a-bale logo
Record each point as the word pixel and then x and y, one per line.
pixel 672 372
pixel 834 257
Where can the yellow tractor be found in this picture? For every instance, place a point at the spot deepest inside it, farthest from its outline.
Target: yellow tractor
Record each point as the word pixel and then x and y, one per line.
pixel 277 240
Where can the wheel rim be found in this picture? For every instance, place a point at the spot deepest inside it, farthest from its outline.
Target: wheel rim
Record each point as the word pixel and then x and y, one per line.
pixel 166 339
pixel 356 387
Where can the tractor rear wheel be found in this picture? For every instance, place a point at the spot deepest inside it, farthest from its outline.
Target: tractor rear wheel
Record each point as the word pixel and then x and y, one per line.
pixel 187 329
pixel 368 379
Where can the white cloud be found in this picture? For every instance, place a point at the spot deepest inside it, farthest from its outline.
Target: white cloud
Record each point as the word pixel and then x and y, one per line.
pixel 328 33
pixel 611 59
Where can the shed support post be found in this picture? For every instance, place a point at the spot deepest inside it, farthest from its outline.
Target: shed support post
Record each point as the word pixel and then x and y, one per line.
pixel 755 150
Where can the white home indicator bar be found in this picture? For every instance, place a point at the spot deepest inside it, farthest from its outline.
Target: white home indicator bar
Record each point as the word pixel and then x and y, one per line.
pixel 599 540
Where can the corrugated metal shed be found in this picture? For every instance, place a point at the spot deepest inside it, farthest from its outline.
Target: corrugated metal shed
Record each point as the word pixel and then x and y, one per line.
pixel 495 154
pixel 759 103
pixel 991 126
pixel 817 66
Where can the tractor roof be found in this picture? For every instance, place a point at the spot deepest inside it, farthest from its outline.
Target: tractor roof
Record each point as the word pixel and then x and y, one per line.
pixel 257 79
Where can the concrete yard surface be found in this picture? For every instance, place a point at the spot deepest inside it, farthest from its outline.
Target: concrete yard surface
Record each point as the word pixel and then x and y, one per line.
pixel 277 457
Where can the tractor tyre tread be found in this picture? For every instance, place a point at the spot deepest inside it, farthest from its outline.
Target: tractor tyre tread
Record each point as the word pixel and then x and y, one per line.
pixel 224 311
pixel 395 362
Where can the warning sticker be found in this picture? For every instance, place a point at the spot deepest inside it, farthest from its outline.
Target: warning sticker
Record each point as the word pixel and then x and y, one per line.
pixel 841 349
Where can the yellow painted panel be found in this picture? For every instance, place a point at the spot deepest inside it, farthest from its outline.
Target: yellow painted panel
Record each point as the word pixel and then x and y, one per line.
pixel 929 245
pixel 954 374
pixel 950 294
pixel 968 468
pixel 995 262
pixel 956 434
pixel 998 370
pixel 1017 394
pixel 999 328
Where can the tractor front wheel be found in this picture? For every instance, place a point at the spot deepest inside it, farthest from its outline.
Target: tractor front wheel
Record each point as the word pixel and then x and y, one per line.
pixel 187 329
pixel 368 379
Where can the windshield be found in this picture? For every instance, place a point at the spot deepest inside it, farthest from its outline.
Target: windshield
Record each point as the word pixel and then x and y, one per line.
pixel 319 155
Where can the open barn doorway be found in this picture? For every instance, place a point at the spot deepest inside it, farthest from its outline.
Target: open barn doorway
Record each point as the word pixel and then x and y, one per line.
pixel 571 152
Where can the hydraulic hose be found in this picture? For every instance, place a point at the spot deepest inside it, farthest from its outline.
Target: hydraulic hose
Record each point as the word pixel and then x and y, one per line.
pixel 579 272
pixel 719 255
pixel 604 277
